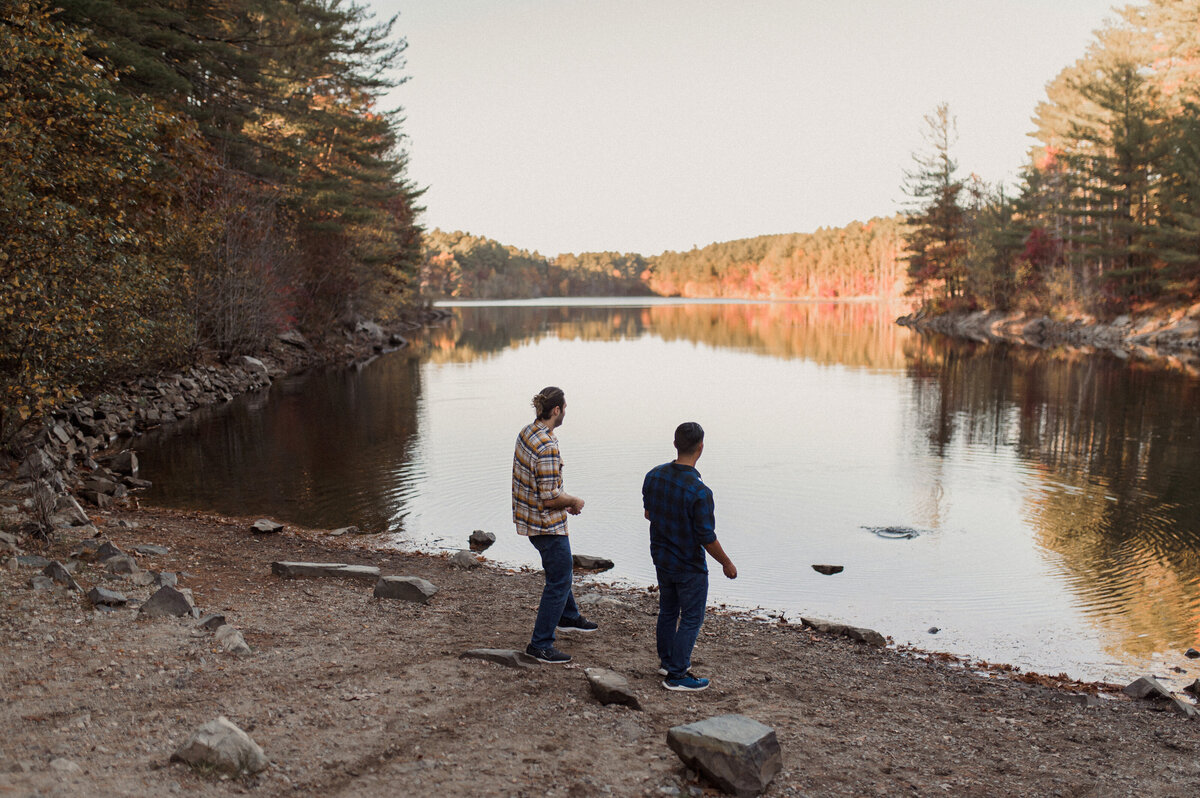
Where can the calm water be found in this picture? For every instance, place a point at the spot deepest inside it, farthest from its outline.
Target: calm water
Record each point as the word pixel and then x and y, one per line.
pixel 1054 496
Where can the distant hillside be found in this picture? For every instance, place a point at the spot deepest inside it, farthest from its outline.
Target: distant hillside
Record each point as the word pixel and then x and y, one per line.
pixel 857 260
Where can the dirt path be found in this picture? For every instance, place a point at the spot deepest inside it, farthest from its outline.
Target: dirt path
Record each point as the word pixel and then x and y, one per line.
pixel 349 695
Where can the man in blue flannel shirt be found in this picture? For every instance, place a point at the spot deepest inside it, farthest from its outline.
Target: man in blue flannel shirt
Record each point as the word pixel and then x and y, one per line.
pixel 682 527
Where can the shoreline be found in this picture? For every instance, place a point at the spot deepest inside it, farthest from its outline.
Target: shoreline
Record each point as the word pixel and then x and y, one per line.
pixel 349 694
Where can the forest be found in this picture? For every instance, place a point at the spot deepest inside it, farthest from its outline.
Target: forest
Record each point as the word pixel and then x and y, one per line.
pixel 1106 216
pixel 858 260
pixel 187 176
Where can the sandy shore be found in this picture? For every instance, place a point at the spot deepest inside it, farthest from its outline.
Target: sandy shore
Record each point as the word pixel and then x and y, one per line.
pixel 351 695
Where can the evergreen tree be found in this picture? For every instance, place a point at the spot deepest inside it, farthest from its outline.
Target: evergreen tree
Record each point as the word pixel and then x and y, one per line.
pixel 936 242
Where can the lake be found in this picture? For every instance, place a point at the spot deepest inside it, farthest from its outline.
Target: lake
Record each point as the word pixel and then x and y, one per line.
pixel 1038 508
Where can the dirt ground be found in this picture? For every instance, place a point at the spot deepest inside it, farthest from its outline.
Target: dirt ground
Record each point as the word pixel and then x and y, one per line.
pixel 351 695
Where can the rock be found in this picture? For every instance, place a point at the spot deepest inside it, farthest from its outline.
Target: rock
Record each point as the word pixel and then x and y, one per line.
pixel 464 559
pixel 65 767
pixel 40 582
pixel 124 564
pixel 96 498
pixel 1181 707
pixel 231 640
pixel 211 622
pixel 253 365
pixel 106 551
pixel 142 578
pixel 166 602
pixel 1191 653
pixel 265 526
pixel 67 512
pixel 165 579
pixel 222 746
pixel 1147 687
pixel 346 530
pixel 736 753
pixel 829 570
pixel 863 635
pixel 610 687
pixel 58 572
pixel 318 569
pixel 102 596
pixel 105 486
pixel 404 588
pixel 397 340
pixel 590 563
pixel 8 543
pixel 32 561
pixel 1193 688
pixel 1086 700
pixel 151 550
pixel 597 600
pixel 370 329
pixel 934 630
pixel 125 463
pixel 501 656
pixel 294 338
pixel 480 540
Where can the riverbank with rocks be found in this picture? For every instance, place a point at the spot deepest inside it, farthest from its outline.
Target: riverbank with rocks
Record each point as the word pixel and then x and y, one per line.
pixel 1173 339
pixel 159 623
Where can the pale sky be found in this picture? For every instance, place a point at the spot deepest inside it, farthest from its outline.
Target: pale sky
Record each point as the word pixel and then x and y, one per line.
pixel 647 125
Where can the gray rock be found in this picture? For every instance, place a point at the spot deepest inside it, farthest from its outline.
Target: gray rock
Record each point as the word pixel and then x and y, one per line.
pixel 231 640
pixel 167 602
pixel 151 550
pixel 737 754
pixel 464 559
pixel 65 767
pixel 346 530
pixel 597 600
pixel 8 543
pixel 124 564
pixel 102 596
pixel 265 526
pixel 253 365
pixel 165 579
pixel 142 578
pixel 320 569
pixel 40 582
pixel 222 746
pixel 610 687
pixel 501 656
pixel 125 463
pixel 480 540
pixel 590 563
pixel 1193 688
pixel 1147 687
pixel 371 329
pixel 59 573
pixel 212 621
pixel 67 512
pixel 829 570
pixel 107 550
pixel 294 338
pixel 1181 707
pixel 32 561
pixel 98 485
pixel 404 588
pixel 96 498
pixel 863 635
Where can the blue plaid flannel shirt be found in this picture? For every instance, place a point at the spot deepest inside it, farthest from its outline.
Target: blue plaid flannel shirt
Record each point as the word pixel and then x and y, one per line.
pixel 682 519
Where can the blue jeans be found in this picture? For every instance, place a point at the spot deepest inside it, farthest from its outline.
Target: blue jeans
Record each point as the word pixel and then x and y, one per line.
pixel 681 601
pixel 558 602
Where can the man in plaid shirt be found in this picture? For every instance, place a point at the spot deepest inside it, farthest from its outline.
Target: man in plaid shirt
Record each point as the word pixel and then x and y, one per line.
pixel 540 509
pixel 682 528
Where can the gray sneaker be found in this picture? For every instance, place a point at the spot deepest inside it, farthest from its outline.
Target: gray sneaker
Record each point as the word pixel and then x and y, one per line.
pixel 549 655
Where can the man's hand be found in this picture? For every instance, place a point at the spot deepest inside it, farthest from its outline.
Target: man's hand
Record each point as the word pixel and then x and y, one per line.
pixel 576 507
pixel 730 570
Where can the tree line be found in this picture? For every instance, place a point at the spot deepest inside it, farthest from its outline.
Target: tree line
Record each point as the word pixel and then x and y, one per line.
pixel 1106 217
pixel 858 260
pixel 191 175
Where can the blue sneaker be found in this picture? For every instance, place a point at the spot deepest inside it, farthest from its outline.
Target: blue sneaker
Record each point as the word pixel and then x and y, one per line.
pixel 688 684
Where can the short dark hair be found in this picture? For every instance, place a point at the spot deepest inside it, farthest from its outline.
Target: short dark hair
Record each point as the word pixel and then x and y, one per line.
pixel 547 399
pixel 688 436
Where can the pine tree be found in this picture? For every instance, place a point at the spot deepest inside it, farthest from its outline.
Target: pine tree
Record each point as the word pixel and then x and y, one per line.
pixel 936 241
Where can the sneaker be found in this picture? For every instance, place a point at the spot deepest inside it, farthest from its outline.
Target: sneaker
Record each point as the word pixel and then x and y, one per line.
pixel 550 655
pixel 662 671
pixel 688 684
pixel 580 625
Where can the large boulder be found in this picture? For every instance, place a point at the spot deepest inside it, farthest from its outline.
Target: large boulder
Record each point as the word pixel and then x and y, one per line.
pixel 736 753
pixel 167 602
pixel 405 588
pixel 222 746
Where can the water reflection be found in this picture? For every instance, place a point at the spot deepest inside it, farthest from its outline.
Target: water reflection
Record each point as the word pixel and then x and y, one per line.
pixel 1117 450
pixel 1055 495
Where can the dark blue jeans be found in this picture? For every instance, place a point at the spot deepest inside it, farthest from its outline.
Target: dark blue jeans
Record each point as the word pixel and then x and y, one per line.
pixel 681 601
pixel 558 602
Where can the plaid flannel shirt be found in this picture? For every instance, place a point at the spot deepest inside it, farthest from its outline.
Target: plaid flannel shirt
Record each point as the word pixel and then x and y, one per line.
pixel 682 520
pixel 537 478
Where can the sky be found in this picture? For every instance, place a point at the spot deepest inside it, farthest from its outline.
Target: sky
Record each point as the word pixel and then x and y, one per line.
pixel 651 125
